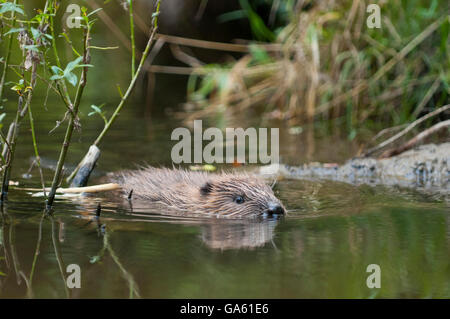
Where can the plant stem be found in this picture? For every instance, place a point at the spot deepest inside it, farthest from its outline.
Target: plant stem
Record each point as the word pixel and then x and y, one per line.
pixel 133 46
pixel 36 254
pixel 70 127
pixel 127 93
pixel 134 291
pixel 11 151
pixel 36 152
pixel 129 90
pixel 61 265
pixel 52 30
pixel 21 112
pixel 61 85
pixel 8 54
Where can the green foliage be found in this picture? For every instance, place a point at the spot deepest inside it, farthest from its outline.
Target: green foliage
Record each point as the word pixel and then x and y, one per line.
pixel 67 73
pixel 14 30
pixel 10 7
pixel 2 116
pixel 98 110
pixel 259 55
pixel 257 25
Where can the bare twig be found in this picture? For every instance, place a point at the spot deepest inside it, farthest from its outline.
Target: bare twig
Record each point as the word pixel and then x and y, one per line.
pixel 406 130
pixel 221 46
pixel 415 140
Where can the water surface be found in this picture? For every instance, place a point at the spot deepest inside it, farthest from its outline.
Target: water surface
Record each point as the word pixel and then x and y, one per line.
pixel 321 249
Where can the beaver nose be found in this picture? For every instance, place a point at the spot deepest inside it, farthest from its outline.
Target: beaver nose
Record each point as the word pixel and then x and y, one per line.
pixel 275 208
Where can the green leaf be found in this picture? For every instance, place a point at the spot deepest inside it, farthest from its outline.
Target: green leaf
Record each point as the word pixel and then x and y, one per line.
pixel 95 11
pixel 257 25
pixel 56 70
pixel 71 78
pixel 31 47
pixel 72 65
pixel 233 15
pixel 94 259
pixel 56 77
pixel 2 116
pixel 259 54
pixel 36 33
pixel 84 65
pixel 352 134
pixel 96 108
pixel 14 30
pixel 10 7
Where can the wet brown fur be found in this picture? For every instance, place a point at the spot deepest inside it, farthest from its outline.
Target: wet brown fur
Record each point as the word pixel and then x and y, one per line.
pixel 199 192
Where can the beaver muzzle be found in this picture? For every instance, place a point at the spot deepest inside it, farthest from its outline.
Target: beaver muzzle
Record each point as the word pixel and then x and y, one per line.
pixel 275 209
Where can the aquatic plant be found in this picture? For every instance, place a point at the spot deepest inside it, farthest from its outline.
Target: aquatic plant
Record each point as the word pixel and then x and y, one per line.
pixel 33 37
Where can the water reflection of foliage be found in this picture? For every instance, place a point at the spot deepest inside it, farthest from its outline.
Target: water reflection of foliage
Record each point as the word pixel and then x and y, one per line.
pixel 9 248
pixel 133 287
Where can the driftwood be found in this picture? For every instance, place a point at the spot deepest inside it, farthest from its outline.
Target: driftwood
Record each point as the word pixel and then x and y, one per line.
pixel 406 130
pixel 75 190
pixel 416 139
pixel 86 167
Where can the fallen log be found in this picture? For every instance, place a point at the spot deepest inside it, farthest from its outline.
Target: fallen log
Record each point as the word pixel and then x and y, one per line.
pixel 415 140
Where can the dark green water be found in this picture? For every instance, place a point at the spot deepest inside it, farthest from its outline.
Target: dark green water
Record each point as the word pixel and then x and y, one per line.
pixel 320 250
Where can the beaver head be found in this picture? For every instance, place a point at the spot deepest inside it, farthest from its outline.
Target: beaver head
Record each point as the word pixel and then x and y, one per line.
pixel 225 194
pixel 240 196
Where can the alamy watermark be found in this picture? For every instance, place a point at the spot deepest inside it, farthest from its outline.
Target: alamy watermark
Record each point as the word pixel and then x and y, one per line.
pixel 374 19
pixel 234 139
pixel 374 279
pixel 73 20
pixel 74 279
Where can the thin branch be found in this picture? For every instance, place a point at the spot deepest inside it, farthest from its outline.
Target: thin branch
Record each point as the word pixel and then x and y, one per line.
pixel 8 54
pixel 133 45
pixel 73 118
pixel 406 130
pixel 416 139
pixel 130 87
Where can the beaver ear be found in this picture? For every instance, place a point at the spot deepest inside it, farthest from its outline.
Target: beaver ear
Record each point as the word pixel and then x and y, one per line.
pixel 206 188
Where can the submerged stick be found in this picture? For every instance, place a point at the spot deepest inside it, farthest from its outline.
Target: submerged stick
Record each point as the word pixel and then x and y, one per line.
pixel 74 190
pixel 86 167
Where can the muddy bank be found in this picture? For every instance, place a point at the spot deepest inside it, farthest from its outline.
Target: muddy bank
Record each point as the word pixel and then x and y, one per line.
pixel 425 167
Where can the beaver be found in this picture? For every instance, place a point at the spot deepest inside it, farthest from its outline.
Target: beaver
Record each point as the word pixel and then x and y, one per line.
pixel 226 194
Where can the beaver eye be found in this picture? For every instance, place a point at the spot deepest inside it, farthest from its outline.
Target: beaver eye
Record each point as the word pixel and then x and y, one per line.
pixel 239 199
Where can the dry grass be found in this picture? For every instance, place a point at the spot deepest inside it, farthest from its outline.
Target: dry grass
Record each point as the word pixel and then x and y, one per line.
pixel 331 65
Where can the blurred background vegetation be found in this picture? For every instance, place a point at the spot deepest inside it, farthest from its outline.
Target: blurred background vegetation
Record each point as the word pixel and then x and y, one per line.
pixel 294 61
pixel 332 68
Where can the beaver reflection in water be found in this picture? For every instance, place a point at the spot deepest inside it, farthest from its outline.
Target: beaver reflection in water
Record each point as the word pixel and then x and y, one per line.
pixel 224 194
